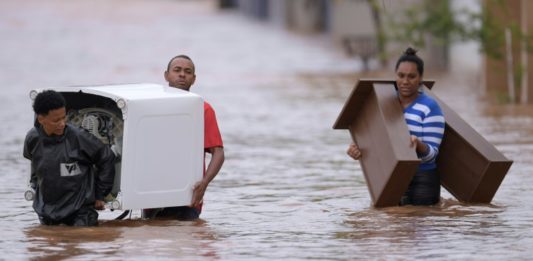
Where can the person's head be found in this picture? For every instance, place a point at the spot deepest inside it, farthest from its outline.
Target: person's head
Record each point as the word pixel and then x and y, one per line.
pixel 49 106
pixel 409 72
pixel 180 72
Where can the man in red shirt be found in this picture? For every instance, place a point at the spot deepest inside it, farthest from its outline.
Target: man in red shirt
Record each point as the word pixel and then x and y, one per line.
pixel 180 74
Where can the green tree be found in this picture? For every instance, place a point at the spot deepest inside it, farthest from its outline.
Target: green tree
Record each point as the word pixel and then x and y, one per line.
pixel 435 18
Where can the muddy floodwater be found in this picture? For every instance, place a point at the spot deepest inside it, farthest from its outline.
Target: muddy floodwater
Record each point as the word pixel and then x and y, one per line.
pixel 287 190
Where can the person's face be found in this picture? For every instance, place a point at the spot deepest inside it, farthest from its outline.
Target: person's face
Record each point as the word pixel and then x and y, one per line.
pixel 180 74
pixel 407 79
pixel 54 122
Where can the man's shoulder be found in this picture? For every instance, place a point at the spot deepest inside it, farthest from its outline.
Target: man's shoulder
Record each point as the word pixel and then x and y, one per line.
pixel 207 106
pixel 32 134
pixel 208 109
pixel 73 131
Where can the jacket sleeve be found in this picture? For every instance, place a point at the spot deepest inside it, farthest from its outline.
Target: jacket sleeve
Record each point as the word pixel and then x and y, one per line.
pixel 29 146
pixel 104 159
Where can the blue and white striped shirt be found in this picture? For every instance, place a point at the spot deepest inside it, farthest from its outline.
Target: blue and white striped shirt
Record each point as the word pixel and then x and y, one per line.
pixel 425 120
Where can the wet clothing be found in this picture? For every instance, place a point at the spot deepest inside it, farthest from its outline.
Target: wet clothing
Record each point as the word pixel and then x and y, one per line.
pixel 212 138
pixel 85 216
pixel 68 172
pixel 425 120
pixel 424 189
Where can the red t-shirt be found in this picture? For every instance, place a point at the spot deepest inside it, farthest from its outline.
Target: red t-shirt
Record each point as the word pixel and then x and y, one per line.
pixel 212 136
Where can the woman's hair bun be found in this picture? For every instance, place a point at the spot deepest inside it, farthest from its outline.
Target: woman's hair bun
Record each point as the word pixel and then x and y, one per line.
pixel 410 51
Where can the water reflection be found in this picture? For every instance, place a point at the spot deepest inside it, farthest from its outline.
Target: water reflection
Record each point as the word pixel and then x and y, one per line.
pixel 125 238
pixel 59 242
pixel 419 222
pixel 425 232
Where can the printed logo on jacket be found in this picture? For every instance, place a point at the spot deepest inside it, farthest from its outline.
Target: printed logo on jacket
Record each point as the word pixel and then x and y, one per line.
pixel 69 169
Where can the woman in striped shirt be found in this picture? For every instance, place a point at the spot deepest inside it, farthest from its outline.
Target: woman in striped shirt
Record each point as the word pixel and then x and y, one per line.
pixel 425 121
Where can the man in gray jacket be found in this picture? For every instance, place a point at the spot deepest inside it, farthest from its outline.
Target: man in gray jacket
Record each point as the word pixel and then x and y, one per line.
pixel 71 170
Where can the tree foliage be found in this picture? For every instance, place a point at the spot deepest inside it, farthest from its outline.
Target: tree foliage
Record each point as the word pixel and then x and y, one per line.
pixel 435 18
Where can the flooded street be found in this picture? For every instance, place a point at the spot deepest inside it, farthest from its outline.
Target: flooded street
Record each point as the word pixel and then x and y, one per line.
pixel 287 189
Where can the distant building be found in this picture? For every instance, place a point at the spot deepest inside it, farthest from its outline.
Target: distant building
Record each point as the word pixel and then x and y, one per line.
pixel 350 24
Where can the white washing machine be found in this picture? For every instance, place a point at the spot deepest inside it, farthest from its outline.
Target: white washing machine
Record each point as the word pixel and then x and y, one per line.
pixel 157 133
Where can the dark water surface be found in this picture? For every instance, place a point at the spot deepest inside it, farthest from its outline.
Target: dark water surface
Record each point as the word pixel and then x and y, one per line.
pixel 287 189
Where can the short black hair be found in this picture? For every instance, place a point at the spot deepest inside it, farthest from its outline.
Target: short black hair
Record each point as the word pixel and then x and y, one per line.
pixel 47 101
pixel 179 56
pixel 409 55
